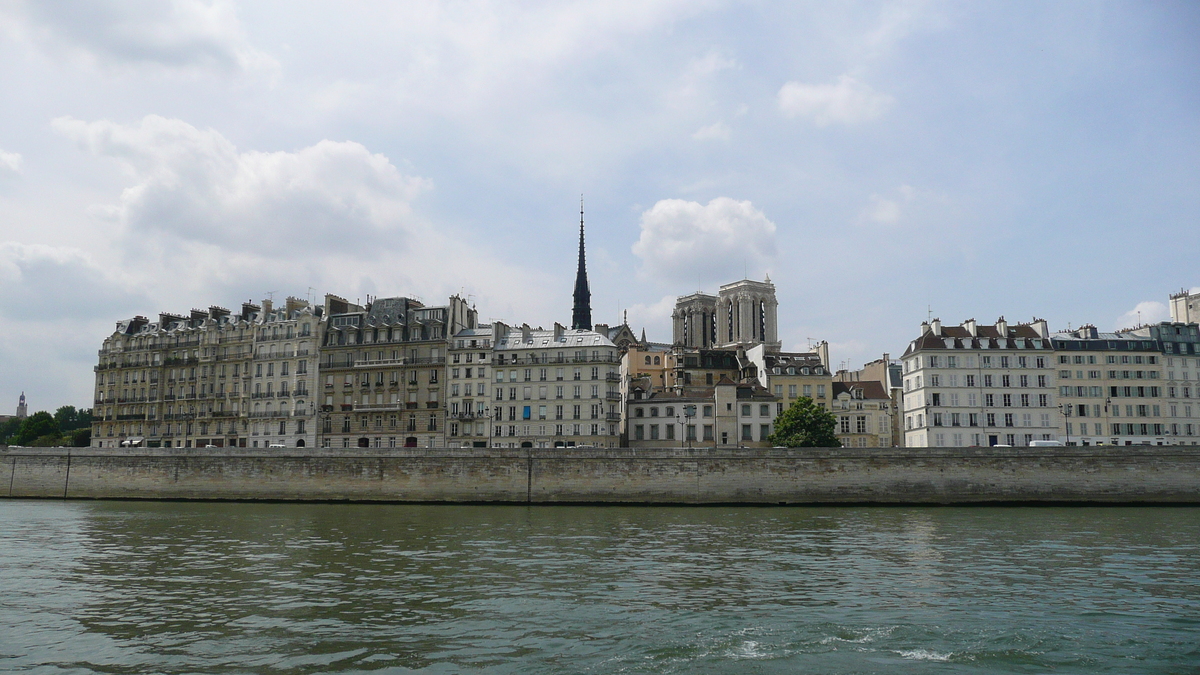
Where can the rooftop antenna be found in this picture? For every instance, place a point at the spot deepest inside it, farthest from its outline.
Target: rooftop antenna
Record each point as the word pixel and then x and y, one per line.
pixel 928 313
pixel 271 296
pixel 311 297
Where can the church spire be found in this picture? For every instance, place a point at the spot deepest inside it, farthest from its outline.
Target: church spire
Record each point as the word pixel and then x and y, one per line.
pixel 581 315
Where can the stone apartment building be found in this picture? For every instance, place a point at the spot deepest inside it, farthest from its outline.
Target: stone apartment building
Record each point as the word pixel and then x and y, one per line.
pixel 793 375
pixel 980 385
pixel 469 398
pixel 728 414
pixel 382 370
pixel 181 381
pixel 282 411
pixel 890 376
pixel 864 414
pixel 554 388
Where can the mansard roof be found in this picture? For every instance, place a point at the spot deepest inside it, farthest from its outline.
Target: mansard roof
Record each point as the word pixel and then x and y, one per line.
pixel 869 389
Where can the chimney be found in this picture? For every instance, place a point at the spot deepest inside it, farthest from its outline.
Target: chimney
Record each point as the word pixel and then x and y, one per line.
pixel 1002 327
pixel 558 331
pixel 971 327
pixel 249 309
pixel 936 327
pixel 1043 328
pixel 266 305
pixel 823 352
pixel 526 335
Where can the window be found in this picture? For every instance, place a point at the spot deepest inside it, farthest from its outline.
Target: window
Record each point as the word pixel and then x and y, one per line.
pixel 747 432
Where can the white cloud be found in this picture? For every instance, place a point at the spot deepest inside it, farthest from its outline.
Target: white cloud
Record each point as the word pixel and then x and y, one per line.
pixel 10 161
pixel 847 102
pixel 1145 312
pixel 48 282
pixel 718 131
pixel 888 210
pixel 687 241
pixel 172 33
pixel 653 317
pixel 195 185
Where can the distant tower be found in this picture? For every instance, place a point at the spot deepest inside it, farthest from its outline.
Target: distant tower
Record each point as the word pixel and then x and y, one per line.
pixel 581 315
pixel 22 410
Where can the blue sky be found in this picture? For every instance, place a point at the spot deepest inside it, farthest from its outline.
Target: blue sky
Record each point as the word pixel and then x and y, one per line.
pixel 878 160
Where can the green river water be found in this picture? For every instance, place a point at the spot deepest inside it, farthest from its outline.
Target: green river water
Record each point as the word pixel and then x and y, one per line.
pixel 175 587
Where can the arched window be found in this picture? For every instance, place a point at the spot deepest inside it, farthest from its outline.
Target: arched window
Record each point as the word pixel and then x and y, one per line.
pixel 647 360
pixel 657 361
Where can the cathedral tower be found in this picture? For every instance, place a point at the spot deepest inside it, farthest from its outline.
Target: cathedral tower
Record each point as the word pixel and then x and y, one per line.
pixel 581 315
pixel 22 409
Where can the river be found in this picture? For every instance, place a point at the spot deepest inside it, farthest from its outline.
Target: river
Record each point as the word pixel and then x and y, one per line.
pixel 178 587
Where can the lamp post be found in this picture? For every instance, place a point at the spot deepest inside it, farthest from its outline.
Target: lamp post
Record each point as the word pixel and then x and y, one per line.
pixel 689 413
pixel 1107 401
pixel 1065 410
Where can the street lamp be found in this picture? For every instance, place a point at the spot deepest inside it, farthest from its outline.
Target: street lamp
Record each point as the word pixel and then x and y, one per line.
pixel 1065 409
pixel 689 413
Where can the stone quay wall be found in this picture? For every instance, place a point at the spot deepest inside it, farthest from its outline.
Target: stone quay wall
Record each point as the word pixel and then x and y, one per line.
pixel 1130 474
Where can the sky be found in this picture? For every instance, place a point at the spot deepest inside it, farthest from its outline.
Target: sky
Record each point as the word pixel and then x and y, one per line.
pixel 883 163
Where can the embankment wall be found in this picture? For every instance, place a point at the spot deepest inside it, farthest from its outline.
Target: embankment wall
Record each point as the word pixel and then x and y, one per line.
pixel 1161 474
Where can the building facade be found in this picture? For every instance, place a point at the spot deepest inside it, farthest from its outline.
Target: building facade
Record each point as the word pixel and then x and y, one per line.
pixel 980 385
pixel 282 411
pixel 864 414
pixel 728 414
pixel 469 400
pixel 382 368
pixel 182 381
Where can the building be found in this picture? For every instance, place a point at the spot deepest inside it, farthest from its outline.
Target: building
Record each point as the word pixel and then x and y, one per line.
pixel 792 375
pixel 469 400
pixel 22 408
pixel 182 381
pixel 980 385
pixel 282 409
pixel 742 314
pixel 727 414
pixel 890 375
pixel 554 388
pixel 864 414
pixel 382 368
pixel 1185 306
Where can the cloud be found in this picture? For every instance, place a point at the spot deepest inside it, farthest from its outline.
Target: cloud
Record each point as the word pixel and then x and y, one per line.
pixel 194 185
pixel 847 102
pixel 10 162
pixel 189 34
pixel 718 131
pixel 58 283
pixel 888 210
pixel 1145 312
pixel 686 241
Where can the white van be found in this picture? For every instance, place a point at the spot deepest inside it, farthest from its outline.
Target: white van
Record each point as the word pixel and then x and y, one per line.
pixel 1046 444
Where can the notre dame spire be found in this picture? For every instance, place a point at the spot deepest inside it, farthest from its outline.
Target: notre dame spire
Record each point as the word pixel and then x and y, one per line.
pixel 581 315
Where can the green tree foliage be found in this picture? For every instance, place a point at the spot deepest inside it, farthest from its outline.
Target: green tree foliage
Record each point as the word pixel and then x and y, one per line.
pixel 805 425
pixel 70 419
pixel 9 431
pixel 79 438
pixel 35 426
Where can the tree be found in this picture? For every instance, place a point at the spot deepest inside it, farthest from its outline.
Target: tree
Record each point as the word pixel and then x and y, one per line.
pixel 80 438
pixel 9 430
pixel 65 417
pixel 805 425
pixel 35 426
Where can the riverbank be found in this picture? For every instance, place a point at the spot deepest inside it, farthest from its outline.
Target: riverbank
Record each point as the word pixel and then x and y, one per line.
pixel 1132 474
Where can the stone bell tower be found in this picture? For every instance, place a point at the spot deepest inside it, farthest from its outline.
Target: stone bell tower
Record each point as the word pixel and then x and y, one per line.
pixel 747 315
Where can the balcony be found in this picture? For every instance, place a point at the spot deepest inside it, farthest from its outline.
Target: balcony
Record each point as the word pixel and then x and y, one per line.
pixel 612 417
pixel 612 377
pixel 431 404
pixel 270 413
pixel 612 396
pixel 379 406
pixel 465 415
pixel 125 418
pixel 401 362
